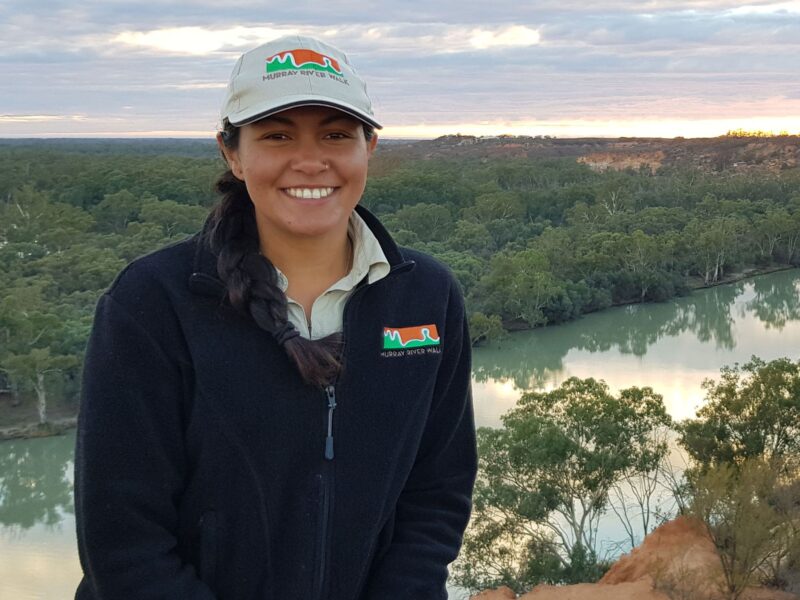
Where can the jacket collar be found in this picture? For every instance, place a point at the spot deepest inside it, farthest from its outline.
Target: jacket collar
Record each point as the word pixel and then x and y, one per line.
pixel 205 281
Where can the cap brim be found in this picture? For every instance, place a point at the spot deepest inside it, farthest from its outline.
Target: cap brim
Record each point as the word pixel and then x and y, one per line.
pixel 311 102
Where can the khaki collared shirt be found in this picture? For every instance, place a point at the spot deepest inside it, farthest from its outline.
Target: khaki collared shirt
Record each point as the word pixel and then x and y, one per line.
pixel 327 312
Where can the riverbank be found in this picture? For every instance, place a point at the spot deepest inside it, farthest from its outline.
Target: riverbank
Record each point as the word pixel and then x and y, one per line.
pixel 694 283
pixel 697 283
pixel 35 430
pixel 22 420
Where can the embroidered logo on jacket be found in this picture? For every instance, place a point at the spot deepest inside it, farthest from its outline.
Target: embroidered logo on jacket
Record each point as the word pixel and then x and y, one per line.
pixel 399 341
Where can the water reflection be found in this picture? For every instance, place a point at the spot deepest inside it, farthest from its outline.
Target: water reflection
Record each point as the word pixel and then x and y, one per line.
pixel 38 552
pixel 35 482
pixel 775 301
pixel 671 346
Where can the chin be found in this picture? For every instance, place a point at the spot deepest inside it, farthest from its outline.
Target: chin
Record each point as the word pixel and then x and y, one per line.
pixel 312 230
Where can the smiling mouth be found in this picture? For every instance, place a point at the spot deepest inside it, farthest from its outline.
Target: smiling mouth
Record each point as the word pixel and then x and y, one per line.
pixel 310 193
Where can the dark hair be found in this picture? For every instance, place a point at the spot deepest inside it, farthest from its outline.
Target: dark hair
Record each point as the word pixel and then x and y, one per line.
pixel 252 280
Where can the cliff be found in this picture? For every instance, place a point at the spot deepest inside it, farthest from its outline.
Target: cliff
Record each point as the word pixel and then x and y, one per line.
pixel 725 153
pixel 677 561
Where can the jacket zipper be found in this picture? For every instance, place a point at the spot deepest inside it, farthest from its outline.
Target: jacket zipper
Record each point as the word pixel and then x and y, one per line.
pixel 327 491
pixel 323 538
pixel 330 392
pixel 327 474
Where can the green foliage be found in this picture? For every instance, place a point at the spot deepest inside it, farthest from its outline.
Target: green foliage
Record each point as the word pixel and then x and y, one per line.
pixel 430 222
pixel 744 482
pixel 734 501
pixel 473 238
pixel 483 329
pixel 173 218
pixel 494 206
pixel 59 249
pixel 544 479
pixel 752 412
pixel 518 286
pixel 115 211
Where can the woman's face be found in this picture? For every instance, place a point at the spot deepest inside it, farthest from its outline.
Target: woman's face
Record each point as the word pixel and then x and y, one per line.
pixel 305 170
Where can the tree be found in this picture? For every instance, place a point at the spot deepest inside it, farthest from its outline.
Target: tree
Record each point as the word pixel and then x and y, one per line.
pixel 429 221
pixel 484 328
pixel 545 476
pixel 496 205
pixel 518 286
pixel 33 367
pixel 115 211
pixel 733 502
pixel 714 244
pixel 642 497
pixel 36 330
pixel 471 237
pixel 791 235
pixel 32 217
pixel 174 219
pixel 753 411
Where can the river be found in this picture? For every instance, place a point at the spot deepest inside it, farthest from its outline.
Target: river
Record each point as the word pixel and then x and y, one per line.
pixel 671 347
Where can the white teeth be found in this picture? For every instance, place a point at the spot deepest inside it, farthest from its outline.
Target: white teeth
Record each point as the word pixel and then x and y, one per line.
pixel 310 193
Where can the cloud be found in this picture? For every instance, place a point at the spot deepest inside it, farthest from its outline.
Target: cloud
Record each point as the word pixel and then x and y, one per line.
pixel 40 118
pixel 516 35
pixel 199 40
pixel 433 38
pixel 792 6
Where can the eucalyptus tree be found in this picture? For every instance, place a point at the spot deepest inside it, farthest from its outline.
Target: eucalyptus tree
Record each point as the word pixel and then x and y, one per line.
pixel 545 477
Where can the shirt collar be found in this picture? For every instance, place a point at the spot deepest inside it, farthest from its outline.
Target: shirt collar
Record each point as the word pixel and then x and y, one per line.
pixel 369 259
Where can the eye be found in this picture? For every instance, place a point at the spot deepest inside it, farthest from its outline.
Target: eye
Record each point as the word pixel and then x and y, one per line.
pixel 275 136
pixel 338 135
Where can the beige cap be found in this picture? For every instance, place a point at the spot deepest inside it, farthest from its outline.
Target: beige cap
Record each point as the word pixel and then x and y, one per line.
pixel 294 71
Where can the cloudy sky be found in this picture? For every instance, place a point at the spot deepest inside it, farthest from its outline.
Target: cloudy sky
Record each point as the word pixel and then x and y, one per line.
pixel 537 67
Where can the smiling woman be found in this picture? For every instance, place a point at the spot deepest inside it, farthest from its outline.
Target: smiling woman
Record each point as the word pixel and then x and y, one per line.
pixel 221 369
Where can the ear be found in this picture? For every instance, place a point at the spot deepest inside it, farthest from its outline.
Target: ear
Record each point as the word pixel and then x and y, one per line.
pixel 231 157
pixel 371 145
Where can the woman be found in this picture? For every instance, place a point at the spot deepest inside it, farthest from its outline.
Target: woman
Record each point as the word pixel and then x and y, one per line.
pixel 279 406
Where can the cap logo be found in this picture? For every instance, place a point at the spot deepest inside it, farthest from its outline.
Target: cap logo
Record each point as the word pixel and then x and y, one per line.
pixel 302 59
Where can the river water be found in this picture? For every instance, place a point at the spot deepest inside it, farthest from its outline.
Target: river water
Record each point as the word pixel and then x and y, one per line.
pixel 671 347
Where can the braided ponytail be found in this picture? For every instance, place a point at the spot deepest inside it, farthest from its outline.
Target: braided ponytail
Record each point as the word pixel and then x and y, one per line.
pixel 252 280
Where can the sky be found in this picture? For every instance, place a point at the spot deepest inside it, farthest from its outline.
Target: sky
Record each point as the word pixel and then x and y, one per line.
pixel 693 68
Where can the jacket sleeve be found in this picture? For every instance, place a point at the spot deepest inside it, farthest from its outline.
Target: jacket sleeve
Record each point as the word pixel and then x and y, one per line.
pixel 130 463
pixel 434 507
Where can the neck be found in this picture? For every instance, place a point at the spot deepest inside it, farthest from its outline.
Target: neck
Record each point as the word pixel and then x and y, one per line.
pixel 312 263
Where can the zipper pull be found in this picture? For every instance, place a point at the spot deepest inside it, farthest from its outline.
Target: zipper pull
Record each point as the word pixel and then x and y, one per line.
pixel 331 394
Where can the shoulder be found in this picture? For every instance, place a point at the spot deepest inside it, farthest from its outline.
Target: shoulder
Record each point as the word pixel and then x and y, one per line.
pixel 427 265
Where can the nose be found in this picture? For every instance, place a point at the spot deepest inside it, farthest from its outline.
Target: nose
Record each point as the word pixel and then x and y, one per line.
pixel 309 158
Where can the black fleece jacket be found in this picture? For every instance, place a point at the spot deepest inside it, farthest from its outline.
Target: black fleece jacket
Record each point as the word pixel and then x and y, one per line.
pixel 205 468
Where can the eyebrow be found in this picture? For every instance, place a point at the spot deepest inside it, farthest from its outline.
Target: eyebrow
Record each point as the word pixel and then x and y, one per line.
pixel 326 121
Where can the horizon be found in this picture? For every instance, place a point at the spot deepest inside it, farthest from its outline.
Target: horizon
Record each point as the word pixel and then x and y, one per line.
pixel 754 134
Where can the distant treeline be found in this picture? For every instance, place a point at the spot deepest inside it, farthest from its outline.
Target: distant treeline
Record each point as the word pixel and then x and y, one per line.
pixel 532 242
pixel 537 242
